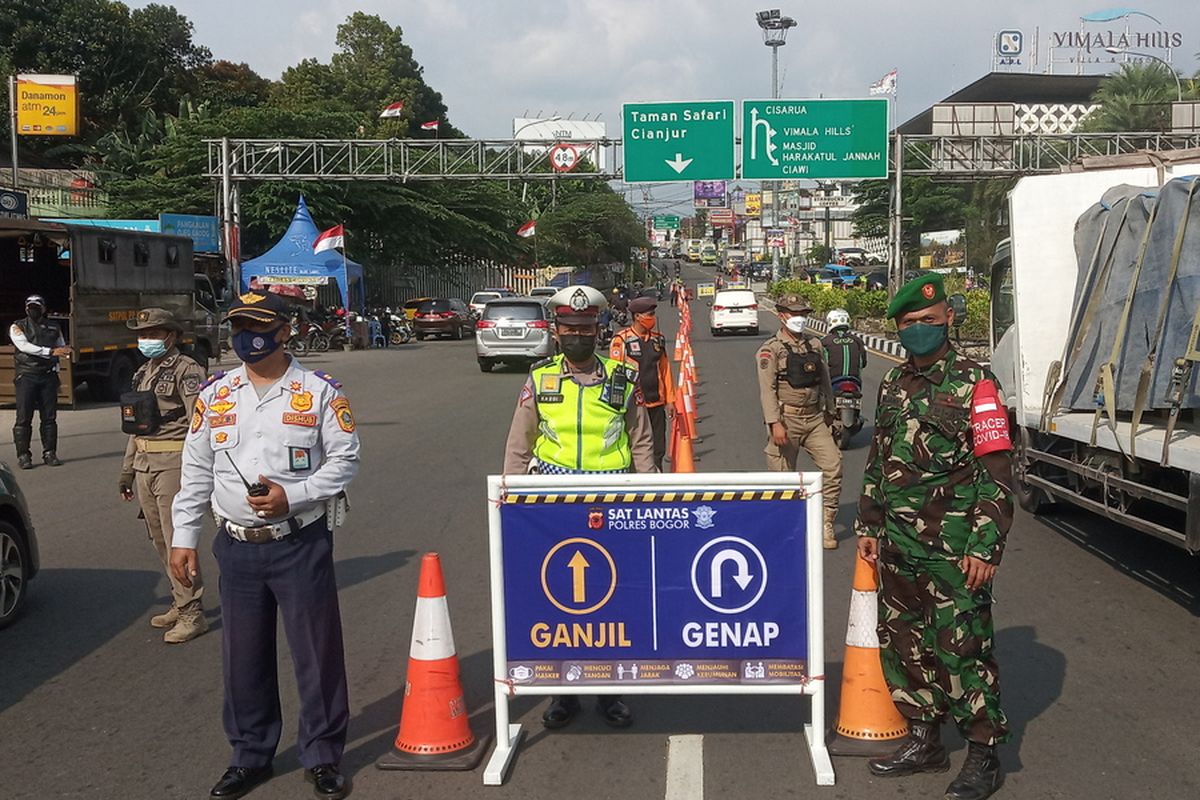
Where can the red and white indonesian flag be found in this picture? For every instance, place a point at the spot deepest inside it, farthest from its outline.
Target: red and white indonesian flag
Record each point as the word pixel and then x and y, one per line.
pixel 528 229
pixel 432 125
pixel 392 111
pixel 331 239
pixel 886 84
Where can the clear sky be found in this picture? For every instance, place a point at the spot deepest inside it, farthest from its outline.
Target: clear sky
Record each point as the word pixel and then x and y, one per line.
pixel 493 60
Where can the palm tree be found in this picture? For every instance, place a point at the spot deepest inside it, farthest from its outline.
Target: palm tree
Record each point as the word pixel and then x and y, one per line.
pixel 1137 97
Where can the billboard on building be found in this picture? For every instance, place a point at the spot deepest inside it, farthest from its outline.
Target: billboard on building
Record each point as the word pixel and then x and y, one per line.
pixel 709 194
pixel 942 249
pixel 754 204
pixel 47 105
pixel 547 132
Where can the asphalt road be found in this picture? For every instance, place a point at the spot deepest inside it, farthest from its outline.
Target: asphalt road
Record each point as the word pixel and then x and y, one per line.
pixel 1097 627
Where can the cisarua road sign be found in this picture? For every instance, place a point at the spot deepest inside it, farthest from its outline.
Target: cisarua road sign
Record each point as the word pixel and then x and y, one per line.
pixel 666 222
pixel 686 141
pixel 825 139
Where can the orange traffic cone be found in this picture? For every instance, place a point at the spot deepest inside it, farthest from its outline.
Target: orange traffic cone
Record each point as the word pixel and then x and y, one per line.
pixel 682 459
pixel 435 731
pixel 868 723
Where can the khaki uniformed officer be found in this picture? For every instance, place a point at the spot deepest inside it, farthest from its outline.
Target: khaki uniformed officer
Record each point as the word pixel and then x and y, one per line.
pixel 578 413
pixel 798 404
pixel 156 414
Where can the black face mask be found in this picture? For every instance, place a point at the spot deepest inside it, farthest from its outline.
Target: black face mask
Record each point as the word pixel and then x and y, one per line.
pixel 35 313
pixel 578 348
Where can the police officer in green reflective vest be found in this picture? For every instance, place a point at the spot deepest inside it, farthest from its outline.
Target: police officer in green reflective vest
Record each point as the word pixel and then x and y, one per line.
pixel 578 413
pixel 935 509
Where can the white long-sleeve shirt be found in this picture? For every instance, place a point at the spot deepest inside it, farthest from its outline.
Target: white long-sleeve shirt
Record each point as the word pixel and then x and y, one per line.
pixel 301 435
pixel 25 346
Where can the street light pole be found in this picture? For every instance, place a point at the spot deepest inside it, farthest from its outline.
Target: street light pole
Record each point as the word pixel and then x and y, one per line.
pixel 1121 51
pixel 774 28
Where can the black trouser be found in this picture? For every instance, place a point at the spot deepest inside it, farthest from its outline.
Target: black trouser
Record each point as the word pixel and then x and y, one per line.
pixel 658 432
pixel 36 391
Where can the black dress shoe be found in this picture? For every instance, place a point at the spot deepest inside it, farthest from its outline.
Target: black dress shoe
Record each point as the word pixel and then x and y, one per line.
pixel 561 710
pixel 615 712
pixel 328 782
pixel 240 781
pixel 50 459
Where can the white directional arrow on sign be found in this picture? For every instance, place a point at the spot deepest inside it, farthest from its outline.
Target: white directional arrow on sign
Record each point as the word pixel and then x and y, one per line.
pixel 742 576
pixel 679 164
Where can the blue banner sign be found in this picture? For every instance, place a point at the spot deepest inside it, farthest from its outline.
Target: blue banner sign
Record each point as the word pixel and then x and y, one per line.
pixel 667 588
pixel 204 231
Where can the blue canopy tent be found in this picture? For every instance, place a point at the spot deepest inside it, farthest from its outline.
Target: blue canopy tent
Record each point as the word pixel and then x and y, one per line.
pixel 293 257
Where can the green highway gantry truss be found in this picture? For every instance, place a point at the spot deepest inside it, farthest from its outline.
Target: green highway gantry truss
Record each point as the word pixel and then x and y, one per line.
pixel 404 160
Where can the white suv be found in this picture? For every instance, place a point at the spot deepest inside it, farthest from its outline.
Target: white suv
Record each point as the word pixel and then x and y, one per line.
pixel 734 309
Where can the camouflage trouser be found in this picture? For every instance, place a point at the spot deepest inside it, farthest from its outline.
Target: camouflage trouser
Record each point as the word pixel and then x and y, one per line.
pixel 935 640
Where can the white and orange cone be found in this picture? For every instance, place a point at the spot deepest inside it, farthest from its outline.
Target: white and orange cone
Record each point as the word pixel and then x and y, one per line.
pixel 435 731
pixel 868 723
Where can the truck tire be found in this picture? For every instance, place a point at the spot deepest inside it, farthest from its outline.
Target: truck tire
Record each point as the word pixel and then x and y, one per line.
pixel 120 376
pixel 1030 498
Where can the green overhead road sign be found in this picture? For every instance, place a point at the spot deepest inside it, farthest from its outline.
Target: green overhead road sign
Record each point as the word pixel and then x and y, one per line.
pixel 678 141
pixel 666 223
pixel 816 139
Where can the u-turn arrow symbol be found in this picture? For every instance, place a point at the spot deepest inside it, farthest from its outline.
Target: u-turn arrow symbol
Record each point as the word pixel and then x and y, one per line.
pixel 741 575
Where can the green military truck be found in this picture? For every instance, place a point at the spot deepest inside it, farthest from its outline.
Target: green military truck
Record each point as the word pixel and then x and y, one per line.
pixel 94 280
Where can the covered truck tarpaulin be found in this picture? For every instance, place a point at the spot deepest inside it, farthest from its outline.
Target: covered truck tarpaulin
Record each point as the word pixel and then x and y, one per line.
pixel 292 260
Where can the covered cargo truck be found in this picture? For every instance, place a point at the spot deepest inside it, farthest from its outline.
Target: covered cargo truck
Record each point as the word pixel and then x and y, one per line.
pixel 94 280
pixel 1095 321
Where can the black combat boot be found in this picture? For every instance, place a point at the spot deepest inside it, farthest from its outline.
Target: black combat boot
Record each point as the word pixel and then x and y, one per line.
pixel 979 776
pixel 22 437
pixel 920 751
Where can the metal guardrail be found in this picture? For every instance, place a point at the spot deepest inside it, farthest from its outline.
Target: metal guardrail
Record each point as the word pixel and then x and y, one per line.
pixel 403 160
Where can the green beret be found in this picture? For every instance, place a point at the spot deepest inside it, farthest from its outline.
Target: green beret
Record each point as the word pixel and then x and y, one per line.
pixel 920 293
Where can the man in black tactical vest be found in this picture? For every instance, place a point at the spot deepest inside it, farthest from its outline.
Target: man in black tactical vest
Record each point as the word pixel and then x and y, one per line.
pixel 39 344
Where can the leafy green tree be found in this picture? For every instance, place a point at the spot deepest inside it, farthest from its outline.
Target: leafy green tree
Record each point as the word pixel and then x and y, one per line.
pixel 127 60
pixel 1137 97
pixel 592 228
pixel 927 206
pixel 372 69
pixel 223 85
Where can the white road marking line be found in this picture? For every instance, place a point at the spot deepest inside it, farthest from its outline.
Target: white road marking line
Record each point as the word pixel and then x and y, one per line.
pixel 685 767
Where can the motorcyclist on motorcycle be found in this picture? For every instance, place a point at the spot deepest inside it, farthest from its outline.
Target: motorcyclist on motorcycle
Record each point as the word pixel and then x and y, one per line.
pixel 846 356
pixel 844 351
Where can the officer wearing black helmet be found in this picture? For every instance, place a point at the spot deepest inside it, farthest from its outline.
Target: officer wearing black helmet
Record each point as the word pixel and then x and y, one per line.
pixel 39 344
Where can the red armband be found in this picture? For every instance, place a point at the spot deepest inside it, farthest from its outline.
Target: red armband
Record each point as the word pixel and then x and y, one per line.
pixel 989 420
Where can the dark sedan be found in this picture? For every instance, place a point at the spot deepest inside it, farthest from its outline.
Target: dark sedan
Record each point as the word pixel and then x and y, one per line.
pixel 18 548
pixel 443 316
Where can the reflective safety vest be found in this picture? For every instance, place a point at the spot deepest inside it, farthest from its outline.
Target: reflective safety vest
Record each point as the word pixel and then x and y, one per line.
pixel 583 427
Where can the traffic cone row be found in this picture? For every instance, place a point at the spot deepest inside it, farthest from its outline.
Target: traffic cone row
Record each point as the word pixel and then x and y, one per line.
pixel 683 425
pixel 435 731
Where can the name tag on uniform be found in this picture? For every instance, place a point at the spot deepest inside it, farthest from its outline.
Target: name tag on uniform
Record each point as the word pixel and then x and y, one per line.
pixel 300 459
pixel 305 420
pixel 549 398
pixel 222 420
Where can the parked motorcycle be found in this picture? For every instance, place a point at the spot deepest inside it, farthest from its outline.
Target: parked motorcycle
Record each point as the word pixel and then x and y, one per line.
pixel 400 327
pixel 847 394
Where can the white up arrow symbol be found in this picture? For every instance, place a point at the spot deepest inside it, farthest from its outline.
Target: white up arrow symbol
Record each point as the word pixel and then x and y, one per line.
pixel 742 576
pixel 679 165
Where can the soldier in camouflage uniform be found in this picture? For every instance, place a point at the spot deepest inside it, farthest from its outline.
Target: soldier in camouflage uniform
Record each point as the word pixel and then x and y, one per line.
pixel 935 508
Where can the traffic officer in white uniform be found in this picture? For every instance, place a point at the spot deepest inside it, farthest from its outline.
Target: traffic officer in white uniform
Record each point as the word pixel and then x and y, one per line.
pixel 272 447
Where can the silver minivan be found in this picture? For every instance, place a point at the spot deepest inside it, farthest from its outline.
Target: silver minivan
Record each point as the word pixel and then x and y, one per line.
pixel 512 330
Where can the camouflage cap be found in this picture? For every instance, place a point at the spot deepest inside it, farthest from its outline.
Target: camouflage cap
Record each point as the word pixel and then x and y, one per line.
pixel 917 294
pixel 154 318
pixel 794 303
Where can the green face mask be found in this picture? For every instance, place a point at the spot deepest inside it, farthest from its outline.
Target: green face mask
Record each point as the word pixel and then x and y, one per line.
pixel 921 339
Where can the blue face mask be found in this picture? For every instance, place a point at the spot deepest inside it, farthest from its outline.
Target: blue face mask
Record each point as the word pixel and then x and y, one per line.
pixel 152 348
pixel 253 346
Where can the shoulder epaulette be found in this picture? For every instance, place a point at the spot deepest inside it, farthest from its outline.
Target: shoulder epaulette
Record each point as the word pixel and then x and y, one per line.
pixel 545 362
pixel 216 376
pixel 325 376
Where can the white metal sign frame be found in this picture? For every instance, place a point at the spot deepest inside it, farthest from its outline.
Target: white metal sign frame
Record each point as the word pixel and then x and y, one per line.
pixel 508 735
